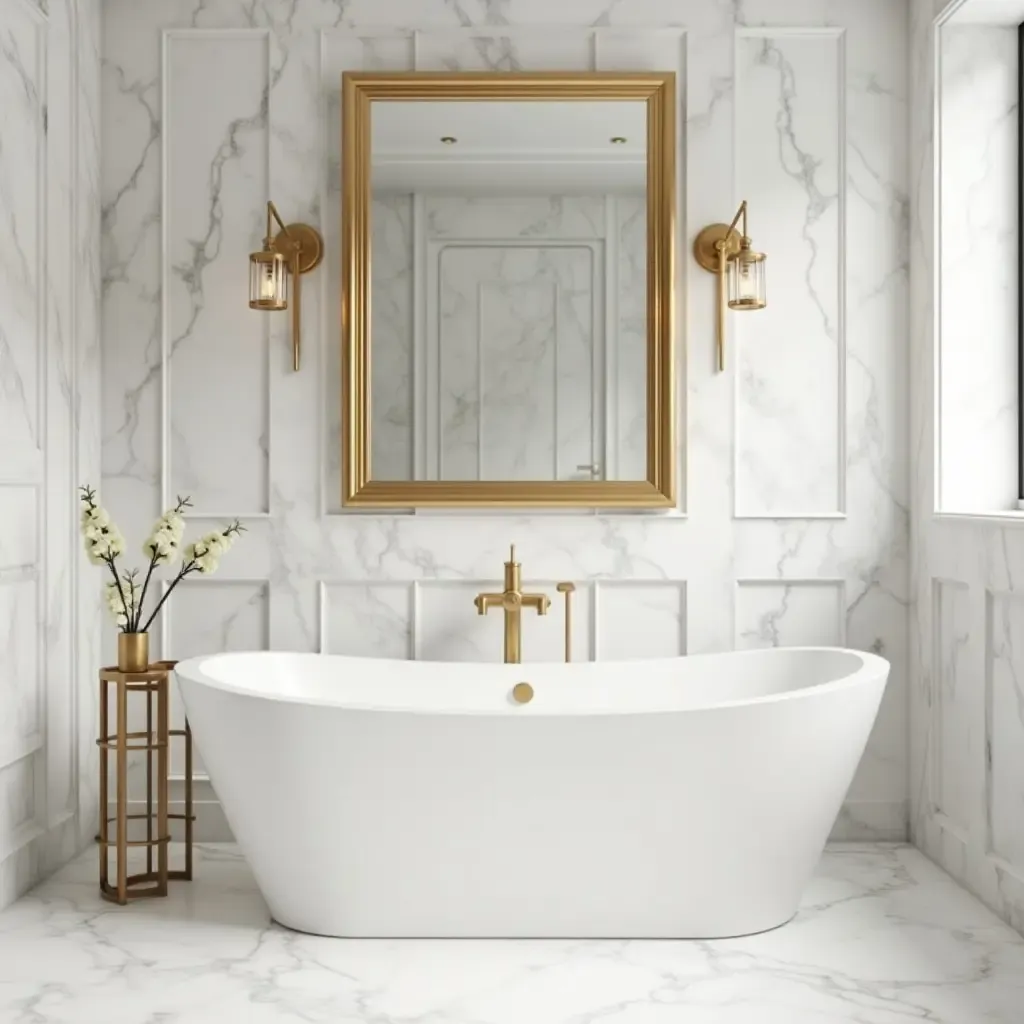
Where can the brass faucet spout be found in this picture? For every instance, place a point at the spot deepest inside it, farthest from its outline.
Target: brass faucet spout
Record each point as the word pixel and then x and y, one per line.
pixel 512 601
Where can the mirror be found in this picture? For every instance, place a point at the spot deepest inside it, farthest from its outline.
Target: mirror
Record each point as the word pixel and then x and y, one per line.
pixel 507 289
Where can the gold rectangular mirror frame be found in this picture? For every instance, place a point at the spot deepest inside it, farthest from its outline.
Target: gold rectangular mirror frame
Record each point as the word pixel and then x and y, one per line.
pixel 657 90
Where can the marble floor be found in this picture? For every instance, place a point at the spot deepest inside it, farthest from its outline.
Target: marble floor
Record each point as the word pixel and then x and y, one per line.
pixel 883 937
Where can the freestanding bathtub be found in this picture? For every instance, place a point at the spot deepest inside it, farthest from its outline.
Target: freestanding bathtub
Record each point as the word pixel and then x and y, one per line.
pixel 676 798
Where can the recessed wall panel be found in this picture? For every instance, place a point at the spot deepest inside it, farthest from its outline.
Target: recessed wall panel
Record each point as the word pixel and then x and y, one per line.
pixel 789 613
pixel 216 186
pixel 640 619
pixel 367 620
pixel 956 697
pixel 20 678
pixel 211 617
pixel 1004 749
pixel 17 801
pixel 19 513
pixel 788 359
pixel 22 185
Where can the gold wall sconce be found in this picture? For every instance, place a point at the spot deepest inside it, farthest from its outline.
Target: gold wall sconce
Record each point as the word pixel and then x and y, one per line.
pixel 720 249
pixel 295 250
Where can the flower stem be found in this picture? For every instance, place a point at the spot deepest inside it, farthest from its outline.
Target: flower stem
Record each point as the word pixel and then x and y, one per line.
pixel 117 580
pixel 177 579
pixel 142 596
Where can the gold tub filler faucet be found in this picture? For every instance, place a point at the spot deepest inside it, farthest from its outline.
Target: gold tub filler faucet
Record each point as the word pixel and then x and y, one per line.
pixel 513 601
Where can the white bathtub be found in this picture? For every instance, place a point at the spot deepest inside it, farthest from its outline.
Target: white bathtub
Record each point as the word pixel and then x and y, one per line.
pixel 678 798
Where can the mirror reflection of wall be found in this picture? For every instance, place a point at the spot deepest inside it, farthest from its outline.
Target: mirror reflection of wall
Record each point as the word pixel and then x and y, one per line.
pixel 508 285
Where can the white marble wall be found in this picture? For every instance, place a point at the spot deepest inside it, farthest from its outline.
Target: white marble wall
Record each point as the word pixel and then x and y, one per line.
pixel 49 422
pixel 792 525
pixel 967 618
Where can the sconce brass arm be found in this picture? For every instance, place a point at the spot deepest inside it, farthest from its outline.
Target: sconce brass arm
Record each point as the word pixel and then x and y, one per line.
pixel 273 215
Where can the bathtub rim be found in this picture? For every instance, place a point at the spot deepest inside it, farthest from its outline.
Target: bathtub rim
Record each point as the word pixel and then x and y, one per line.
pixel 872 668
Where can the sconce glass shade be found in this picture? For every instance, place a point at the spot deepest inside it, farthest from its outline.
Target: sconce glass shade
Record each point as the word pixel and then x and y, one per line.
pixel 746 281
pixel 268 280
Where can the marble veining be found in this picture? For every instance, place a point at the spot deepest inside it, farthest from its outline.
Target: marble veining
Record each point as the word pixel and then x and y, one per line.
pixel 883 937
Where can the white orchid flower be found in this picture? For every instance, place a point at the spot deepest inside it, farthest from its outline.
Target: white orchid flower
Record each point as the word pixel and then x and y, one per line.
pixel 104 543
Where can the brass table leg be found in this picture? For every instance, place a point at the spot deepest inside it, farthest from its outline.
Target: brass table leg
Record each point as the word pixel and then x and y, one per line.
pixel 122 791
pixel 163 731
pixel 120 741
pixel 189 815
pixel 149 780
pixel 104 787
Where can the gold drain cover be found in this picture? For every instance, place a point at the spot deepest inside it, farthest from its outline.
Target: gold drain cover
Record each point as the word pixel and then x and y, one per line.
pixel 522 693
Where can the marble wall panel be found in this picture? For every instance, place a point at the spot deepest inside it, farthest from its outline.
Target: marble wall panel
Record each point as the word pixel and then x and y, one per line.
pixel 23 195
pixel 955 737
pixel 17 803
pixel 1004 713
pixel 790 165
pixel 640 619
pixel 216 184
pixel 19 513
pixel 213 615
pixel 372 620
pixel 790 613
pixel 20 668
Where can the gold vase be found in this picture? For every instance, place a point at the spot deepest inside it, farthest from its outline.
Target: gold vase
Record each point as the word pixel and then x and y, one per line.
pixel 132 652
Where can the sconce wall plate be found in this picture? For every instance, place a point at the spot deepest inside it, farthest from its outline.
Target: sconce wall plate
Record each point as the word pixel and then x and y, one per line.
pixel 705 245
pixel 310 241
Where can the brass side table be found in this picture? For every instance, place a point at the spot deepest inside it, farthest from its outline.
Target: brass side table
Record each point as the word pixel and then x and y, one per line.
pixel 154 685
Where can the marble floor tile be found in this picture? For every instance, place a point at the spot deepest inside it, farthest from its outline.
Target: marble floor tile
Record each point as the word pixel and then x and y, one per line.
pixel 883 937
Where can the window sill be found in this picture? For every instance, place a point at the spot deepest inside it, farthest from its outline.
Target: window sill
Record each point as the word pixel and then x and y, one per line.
pixel 1009 517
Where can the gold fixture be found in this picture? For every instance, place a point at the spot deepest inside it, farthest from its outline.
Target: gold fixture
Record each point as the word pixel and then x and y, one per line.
pixel 294 251
pixel 360 91
pixel 449 140
pixel 513 601
pixel 152 681
pixel 567 589
pixel 741 284
pixel 522 693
